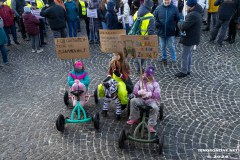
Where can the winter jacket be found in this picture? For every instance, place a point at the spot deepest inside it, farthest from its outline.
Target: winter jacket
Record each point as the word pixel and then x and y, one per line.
pixel 102 13
pixel 212 8
pixel 192 26
pixel 7 15
pixel 166 20
pixel 31 23
pixel 3 39
pixel 72 11
pixel 151 27
pixel 55 15
pixel 204 3
pixel 152 87
pixel 82 76
pixel 60 3
pixel 226 10
pixel 126 11
pixel 94 22
pixel 111 17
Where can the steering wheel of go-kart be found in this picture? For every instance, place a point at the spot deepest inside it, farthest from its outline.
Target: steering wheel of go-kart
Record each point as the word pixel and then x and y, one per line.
pixel 77 92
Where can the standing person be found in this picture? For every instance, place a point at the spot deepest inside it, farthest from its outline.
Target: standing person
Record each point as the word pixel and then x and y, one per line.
pixel 3 41
pixel 32 28
pixel 83 14
pixel 192 27
pixel 134 7
pixel 232 29
pixel 166 16
pixel 227 8
pixel 147 26
pixel 60 3
pixel 7 15
pixel 205 5
pixel 72 13
pixel 17 6
pixel 57 17
pixel 212 13
pixel 103 12
pixel 125 15
pixel 111 16
pixel 95 23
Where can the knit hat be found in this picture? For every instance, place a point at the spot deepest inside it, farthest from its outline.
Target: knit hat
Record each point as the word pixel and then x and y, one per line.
pixel 149 71
pixel 148 4
pixel 27 9
pixel 136 3
pixel 191 3
pixel 78 64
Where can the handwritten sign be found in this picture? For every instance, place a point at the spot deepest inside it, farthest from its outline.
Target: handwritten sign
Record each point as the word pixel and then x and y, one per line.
pixel 110 40
pixel 72 48
pixel 92 13
pixel 145 47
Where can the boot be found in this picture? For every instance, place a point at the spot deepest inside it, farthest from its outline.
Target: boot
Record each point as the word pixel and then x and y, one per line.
pixel 228 39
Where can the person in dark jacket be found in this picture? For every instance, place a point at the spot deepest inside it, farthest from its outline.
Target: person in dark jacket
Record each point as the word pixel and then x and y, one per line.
pixel 192 27
pixel 232 28
pixel 226 10
pixel 3 41
pixel 166 16
pixel 111 16
pixel 31 24
pixel 134 7
pixel 72 13
pixel 102 13
pixel 57 17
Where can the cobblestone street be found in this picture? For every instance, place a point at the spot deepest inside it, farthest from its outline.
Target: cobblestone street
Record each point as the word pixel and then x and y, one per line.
pixel 201 111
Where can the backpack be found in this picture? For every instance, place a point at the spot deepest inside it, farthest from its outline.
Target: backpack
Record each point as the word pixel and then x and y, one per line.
pixel 136 27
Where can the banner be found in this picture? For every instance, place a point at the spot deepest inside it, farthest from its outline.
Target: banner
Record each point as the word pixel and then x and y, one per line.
pixel 145 47
pixel 72 48
pixel 92 13
pixel 110 40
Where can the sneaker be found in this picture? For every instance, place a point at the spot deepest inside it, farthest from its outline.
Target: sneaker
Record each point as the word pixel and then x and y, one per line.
pixel 16 42
pixel 180 75
pixel 1 65
pixel 227 39
pixel 194 47
pixel 40 50
pixel 131 122
pixel 33 50
pixel 44 43
pixel 151 129
pixel 231 41
pixel 7 63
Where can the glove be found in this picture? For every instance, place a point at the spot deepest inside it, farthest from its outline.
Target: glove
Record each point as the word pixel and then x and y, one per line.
pixel 147 95
pixel 106 85
pixel 76 81
pixel 141 92
pixel 116 73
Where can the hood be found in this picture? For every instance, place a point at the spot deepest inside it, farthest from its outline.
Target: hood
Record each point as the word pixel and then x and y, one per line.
pixel 27 16
pixel 196 8
pixel 142 11
pixel 167 6
pixel 110 6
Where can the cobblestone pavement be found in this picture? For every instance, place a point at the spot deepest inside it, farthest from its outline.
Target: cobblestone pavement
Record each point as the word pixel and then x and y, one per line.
pixel 201 111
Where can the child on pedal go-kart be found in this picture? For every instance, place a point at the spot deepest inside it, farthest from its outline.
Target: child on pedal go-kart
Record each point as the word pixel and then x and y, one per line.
pixel 147 92
pixel 114 86
pixel 78 79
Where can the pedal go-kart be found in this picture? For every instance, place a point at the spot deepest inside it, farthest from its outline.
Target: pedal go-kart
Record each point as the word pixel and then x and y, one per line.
pixel 141 132
pixel 82 116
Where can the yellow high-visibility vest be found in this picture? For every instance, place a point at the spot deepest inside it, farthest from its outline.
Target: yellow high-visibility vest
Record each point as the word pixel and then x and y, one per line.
pixel 84 10
pixel 29 5
pixel 145 23
pixel 40 4
pixel 8 3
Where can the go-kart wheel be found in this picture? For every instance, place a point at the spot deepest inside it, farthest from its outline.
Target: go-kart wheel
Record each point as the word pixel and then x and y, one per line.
pixel 60 123
pixel 96 96
pixel 122 139
pixel 161 112
pixel 66 98
pixel 161 141
pixel 96 121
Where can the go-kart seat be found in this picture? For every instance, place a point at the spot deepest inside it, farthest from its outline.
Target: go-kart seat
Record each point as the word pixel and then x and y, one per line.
pixel 77 93
pixel 144 109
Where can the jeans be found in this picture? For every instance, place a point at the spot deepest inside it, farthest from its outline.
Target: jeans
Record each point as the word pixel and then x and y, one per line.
pixel 4 53
pixel 22 28
pixel 61 33
pixel 104 25
pixel 41 29
pixel 72 28
pixel 224 25
pixel 94 35
pixel 214 19
pixel 186 59
pixel 13 31
pixel 127 28
pixel 138 65
pixel 35 41
pixel 171 45
pixel 232 30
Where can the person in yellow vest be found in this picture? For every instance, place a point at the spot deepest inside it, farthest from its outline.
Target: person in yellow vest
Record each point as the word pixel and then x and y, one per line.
pixel 212 13
pixel 8 3
pixel 40 4
pixel 83 14
pixel 147 26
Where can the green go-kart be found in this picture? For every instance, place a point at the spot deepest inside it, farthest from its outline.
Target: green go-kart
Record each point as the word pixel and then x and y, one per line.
pixel 141 132
pixel 81 117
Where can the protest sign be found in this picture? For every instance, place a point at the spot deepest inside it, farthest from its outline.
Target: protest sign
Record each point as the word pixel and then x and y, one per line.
pixel 72 48
pixel 145 47
pixel 110 40
pixel 92 13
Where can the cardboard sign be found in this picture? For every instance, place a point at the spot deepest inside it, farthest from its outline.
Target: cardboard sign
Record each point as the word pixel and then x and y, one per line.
pixel 92 13
pixel 110 40
pixel 145 47
pixel 72 48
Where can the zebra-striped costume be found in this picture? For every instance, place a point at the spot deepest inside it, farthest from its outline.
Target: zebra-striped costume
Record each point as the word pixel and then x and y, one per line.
pixel 111 94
